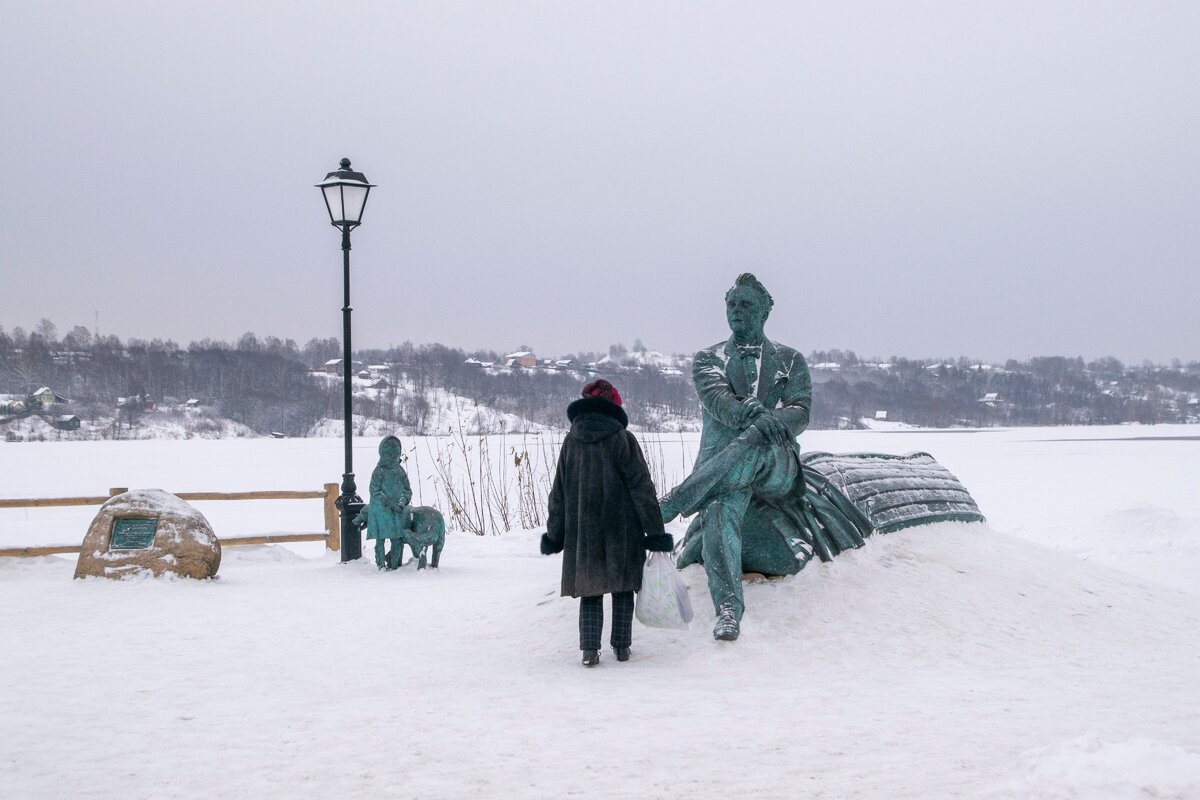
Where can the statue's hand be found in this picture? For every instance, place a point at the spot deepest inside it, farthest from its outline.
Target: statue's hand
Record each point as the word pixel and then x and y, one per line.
pixel 754 410
pixel 772 428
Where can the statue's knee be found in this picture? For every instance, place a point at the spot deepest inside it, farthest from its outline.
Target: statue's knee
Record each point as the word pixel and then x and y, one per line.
pixel 720 512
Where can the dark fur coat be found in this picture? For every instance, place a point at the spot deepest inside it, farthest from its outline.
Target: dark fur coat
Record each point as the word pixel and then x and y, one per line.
pixel 602 505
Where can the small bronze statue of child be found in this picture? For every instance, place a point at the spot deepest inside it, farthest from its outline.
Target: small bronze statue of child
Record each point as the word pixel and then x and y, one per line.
pixel 387 515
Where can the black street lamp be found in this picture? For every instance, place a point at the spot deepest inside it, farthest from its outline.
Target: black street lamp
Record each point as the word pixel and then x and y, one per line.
pixel 345 194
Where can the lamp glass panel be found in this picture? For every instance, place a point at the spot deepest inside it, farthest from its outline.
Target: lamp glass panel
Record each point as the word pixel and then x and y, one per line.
pixel 333 196
pixel 354 197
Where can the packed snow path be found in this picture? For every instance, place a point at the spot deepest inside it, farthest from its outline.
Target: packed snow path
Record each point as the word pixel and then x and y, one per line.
pixel 944 661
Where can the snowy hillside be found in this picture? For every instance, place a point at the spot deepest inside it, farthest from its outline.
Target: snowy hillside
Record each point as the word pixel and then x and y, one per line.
pixel 164 423
pixel 1050 653
pixel 442 411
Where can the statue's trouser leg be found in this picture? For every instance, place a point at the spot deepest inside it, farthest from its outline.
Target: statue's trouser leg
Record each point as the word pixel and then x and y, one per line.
pixel 722 549
pixel 437 550
pixel 591 622
pixel 622 621
pixel 395 553
pixel 380 559
pixel 726 468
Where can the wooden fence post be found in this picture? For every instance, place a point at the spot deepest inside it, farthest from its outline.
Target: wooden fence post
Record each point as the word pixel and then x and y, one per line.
pixel 117 491
pixel 333 523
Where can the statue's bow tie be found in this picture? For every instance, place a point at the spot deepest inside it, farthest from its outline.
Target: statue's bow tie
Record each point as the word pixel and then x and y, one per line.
pixel 752 350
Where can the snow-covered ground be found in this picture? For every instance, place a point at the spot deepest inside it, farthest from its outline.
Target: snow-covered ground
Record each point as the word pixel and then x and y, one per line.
pixel 1053 652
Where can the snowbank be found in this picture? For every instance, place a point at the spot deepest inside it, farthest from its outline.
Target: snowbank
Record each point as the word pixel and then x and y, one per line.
pixel 1050 653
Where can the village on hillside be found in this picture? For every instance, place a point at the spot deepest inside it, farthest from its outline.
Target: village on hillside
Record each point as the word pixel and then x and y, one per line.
pixel 85 386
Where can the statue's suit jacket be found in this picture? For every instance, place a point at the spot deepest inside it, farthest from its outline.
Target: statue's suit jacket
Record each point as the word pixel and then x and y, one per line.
pixel 783 384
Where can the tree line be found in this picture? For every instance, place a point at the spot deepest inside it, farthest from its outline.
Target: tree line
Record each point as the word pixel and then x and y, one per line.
pixel 1049 390
pixel 262 384
pixel 269 384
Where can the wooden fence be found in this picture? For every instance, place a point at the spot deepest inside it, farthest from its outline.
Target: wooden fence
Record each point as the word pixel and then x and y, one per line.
pixel 332 535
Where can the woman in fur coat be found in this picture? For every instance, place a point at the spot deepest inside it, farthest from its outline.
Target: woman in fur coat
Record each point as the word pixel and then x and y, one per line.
pixel 603 517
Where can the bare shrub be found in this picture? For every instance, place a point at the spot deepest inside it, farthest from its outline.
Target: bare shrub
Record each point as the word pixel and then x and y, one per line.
pixel 487 485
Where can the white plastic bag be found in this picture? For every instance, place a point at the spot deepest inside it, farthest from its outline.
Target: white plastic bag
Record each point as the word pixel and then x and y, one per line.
pixel 663 601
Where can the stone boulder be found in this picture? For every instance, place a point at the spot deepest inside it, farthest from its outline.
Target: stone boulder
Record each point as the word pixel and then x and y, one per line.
pixel 157 533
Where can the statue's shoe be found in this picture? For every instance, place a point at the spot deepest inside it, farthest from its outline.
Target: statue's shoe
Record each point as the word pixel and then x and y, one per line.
pixel 726 629
pixel 591 658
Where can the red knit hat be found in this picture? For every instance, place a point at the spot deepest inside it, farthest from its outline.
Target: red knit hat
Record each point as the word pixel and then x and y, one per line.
pixel 602 389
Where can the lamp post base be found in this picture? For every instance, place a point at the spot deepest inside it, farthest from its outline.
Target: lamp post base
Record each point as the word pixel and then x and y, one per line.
pixel 349 504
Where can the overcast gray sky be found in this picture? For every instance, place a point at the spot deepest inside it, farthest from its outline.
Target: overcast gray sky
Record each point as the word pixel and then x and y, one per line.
pixel 920 179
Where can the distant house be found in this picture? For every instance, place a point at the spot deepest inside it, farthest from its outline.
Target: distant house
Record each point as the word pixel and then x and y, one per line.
pixel 67 422
pixel 46 397
pixel 881 415
pixel 334 366
pixel 13 404
pixel 473 362
pixel 522 358
pixel 670 371
pixel 137 402
pixel 990 399
pixel 831 366
pixel 71 357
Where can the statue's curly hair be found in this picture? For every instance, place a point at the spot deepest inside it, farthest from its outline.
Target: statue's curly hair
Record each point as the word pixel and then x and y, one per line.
pixel 748 279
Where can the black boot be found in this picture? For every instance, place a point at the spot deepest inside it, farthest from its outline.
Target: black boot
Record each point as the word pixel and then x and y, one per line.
pixel 591 658
pixel 622 653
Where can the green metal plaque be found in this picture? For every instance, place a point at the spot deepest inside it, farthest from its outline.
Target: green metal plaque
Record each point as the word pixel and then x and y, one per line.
pixel 133 533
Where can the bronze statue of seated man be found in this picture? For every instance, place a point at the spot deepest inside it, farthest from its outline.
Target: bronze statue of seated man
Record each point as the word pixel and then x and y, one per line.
pixel 755 395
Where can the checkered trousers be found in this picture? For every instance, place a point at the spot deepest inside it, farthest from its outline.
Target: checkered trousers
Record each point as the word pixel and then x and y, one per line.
pixel 591 621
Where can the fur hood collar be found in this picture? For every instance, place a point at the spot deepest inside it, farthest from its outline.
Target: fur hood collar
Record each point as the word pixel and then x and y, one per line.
pixel 608 413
